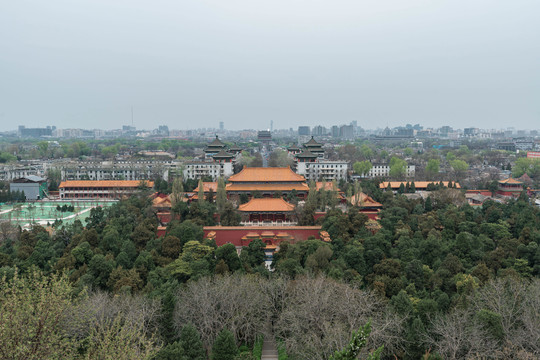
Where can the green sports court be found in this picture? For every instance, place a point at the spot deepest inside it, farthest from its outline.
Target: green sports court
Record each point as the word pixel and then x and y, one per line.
pixel 47 212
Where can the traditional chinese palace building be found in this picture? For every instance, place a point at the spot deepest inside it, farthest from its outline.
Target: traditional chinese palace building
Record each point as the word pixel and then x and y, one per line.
pixel 310 163
pixel 266 182
pixel 267 210
pixel 510 187
pixel 367 205
pixel 217 162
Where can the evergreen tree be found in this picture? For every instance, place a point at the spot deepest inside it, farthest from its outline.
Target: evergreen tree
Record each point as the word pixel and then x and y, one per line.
pixel 428 205
pixel 167 327
pixel 200 194
pixel 357 343
pixel 191 343
pixel 244 198
pixel 224 347
pixel 229 216
pixel 311 200
pixel 221 196
pixel 333 195
pixel 322 196
pixel 349 193
pixel 172 351
pixel 357 194
pixel 177 191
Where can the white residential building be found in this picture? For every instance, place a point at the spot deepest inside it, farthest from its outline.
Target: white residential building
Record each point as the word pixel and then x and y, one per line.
pixel 323 170
pixel 383 170
pixel 114 170
pixel 199 169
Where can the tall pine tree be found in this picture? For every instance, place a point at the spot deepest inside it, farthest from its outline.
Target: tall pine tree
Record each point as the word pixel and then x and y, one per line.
pixel 191 343
pixel 224 347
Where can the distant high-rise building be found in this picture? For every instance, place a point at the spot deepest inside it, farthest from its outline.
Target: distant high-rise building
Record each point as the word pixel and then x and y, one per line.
pixel 318 131
pixel 354 124
pixel 335 131
pixel 346 132
pixel 444 130
pixel 221 126
pixel 303 130
pixel 163 130
pixel 34 132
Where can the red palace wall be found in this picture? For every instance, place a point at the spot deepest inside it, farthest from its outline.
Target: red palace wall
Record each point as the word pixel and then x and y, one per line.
pixel 234 234
pixel 372 215
pixel 509 193
pixel 318 214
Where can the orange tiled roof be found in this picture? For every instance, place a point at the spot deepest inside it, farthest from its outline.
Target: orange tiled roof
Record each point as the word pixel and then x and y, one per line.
pixel 283 235
pixel 417 184
pixel 511 181
pixel 103 183
pixel 363 200
pixel 159 201
pixel 266 205
pixel 260 174
pixel 252 235
pixel 207 186
pixel 328 187
pixel 267 187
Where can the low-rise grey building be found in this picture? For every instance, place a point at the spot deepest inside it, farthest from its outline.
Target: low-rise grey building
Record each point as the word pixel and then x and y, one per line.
pixel 34 187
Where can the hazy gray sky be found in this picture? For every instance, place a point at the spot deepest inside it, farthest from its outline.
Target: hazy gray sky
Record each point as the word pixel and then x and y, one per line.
pixel 189 64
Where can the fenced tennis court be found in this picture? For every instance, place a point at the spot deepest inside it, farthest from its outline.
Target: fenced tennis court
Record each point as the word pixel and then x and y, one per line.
pixel 47 212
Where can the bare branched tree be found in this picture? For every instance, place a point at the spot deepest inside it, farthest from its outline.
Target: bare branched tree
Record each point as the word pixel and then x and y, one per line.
pixel 99 309
pixel 8 231
pixel 320 315
pixel 458 336
pixel 231 302
pixel 501 322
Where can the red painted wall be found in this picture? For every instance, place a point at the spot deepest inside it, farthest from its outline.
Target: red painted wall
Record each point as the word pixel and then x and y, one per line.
pixel 318 215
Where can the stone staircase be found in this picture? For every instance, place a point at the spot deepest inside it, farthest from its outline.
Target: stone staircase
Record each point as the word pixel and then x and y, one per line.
pixel 269 350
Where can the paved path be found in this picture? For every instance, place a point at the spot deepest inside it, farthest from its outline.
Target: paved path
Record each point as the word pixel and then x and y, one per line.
pixel 269 350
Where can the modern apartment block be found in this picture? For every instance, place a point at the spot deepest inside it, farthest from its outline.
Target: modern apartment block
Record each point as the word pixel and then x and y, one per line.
pixel 115 170
pixel 383 170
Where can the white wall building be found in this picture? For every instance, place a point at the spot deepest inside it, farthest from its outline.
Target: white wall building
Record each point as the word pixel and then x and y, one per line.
pixel 323 169
pixel 115 170
pixel 199 169
pixel 12 172
pixel 383 170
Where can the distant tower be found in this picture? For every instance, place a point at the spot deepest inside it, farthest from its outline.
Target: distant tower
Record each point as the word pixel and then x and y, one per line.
pixel 271 125
pixel 221 126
